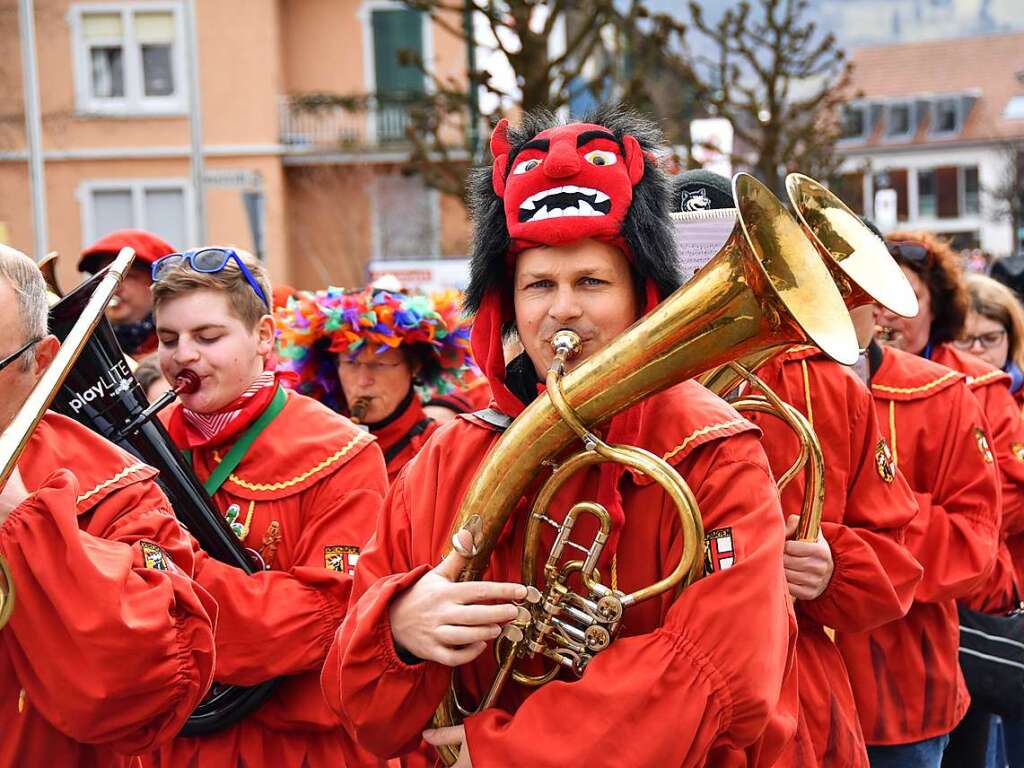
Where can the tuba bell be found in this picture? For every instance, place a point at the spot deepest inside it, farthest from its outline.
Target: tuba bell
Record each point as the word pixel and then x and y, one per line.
pixel 766 289
pixel 859 262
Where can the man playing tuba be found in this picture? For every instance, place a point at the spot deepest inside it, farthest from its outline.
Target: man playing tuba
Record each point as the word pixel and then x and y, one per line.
pixel 571 232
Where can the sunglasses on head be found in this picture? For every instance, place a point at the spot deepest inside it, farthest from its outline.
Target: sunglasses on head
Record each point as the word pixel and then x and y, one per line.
pixel 909 251
pixel 208 260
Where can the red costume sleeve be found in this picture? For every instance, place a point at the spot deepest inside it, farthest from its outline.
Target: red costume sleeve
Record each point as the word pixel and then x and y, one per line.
pixel 868 503
pixel 716 686
pixel 1004 420
pixel 277 623
pixel 874 576
pixel 110 649
pixel 1000 591
pixel 956 540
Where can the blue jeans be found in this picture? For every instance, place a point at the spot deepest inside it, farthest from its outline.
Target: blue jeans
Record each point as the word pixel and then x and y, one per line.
pixel 996 757
pixel 920 754
pixel 1013 738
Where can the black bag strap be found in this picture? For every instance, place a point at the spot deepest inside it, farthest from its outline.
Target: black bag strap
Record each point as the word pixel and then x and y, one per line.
pixel 417 429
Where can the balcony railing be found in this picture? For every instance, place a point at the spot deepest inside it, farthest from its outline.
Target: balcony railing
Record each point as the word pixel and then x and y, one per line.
pixel 339 124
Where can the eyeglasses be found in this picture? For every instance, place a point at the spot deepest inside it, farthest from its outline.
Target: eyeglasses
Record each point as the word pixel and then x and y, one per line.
pixel 374 367
pixel 19 352
pixel 210 261
pixel 909 251
pixel 987 340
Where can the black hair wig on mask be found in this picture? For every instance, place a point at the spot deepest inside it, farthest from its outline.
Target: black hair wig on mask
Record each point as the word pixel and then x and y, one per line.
pixel 646 229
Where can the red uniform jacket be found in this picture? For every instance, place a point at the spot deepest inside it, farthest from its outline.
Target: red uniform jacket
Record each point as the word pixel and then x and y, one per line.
pixel 868 505
pixel 991 386
pixel 110 646
pixel 905 675
pixel 402 435
pixel 1015 541
pixel 313 484
pixel 681 686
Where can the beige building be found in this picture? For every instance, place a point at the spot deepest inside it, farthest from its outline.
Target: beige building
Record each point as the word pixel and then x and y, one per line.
pixel 320 188
pixel 939 124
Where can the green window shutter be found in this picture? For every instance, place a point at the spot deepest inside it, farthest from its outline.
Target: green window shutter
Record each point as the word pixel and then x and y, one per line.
pixel 395 31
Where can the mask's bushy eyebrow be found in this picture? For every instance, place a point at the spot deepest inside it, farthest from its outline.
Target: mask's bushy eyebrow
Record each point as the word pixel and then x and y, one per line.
pixel 586 136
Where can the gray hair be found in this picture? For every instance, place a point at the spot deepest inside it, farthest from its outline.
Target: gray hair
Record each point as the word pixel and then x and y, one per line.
pixel 30 288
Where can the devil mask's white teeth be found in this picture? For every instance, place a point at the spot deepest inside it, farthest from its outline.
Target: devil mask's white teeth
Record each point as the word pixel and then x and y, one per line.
pixel 568 200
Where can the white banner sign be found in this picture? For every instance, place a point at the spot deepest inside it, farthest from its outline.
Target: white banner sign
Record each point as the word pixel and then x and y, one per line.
pixel 712 144
pixel 424 274
pixel 885 209
pixel 700 236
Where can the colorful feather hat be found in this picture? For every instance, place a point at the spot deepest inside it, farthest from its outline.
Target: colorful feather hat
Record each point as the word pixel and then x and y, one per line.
pixel 315 328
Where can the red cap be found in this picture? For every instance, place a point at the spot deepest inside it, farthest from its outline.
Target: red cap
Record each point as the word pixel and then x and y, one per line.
pixel 148 248
pixel 281 295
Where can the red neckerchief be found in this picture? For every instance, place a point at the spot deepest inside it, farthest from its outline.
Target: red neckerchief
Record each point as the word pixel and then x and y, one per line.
pixel 623 428
pixel 191 429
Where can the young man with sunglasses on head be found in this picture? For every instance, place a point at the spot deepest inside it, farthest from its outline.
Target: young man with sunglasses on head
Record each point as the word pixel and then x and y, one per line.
pixel 110 643
pixel 297 483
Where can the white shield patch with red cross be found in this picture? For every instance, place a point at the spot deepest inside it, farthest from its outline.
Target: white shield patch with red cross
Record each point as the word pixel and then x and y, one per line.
pixel 342 559
pixel 719 552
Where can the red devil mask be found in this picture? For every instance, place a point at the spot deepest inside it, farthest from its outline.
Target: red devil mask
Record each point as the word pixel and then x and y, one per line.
pixel 566 184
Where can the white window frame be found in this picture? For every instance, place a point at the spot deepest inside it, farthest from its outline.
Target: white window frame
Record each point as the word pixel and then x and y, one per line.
pixel 365 16
pixel 899 137
pixel 933 117
pixel 934 215
pixel 864 108
pixel 962 192
pixel 134 102
pixel 138 188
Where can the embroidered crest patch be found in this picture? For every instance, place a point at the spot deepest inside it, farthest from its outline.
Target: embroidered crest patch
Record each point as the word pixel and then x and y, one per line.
pixel 983 447
pixel 342 559
pixel 1018 450
pixel 719 553
pixel 884 462
pixel 154 557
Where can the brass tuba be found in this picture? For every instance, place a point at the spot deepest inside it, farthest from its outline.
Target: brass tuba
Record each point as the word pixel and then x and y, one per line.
pixel 766 289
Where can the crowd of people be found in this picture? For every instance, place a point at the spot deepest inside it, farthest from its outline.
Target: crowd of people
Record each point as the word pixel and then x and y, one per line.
pixel 338 432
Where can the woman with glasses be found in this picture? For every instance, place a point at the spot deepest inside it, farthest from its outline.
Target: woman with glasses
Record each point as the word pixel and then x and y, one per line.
pixel 994 331
pixel 370 354
pixel 934 271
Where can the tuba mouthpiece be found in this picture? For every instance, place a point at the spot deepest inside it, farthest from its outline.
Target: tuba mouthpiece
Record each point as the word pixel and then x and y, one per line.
pixel 567 345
